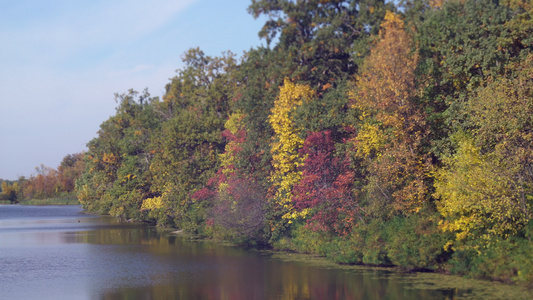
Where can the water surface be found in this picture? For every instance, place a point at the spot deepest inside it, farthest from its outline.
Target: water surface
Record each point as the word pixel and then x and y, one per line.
pixel 57 252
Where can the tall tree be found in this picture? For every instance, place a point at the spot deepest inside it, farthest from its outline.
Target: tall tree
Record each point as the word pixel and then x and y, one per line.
pixel 460 47
pixel 186 150
pixel 486 188
pixel 118 159
pixel 319 36
pixel 70 169
pixel 285 157
pixel 393 131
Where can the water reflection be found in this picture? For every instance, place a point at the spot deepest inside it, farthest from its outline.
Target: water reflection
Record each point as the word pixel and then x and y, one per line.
pixel 142 263
pixel 73 256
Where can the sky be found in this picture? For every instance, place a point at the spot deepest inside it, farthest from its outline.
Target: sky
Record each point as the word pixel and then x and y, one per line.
pixel 62 61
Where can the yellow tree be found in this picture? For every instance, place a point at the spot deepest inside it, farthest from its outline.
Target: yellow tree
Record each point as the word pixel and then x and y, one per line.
pixel 392 129
pixel 486 188
pixel 477 195
pixel 9 192
pixel 285 158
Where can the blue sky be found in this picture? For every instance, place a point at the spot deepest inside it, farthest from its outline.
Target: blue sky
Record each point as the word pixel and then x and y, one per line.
pixel 62 61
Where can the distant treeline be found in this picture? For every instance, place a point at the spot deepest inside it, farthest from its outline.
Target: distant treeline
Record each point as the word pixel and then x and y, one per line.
pixel 366 132
pixel 47 183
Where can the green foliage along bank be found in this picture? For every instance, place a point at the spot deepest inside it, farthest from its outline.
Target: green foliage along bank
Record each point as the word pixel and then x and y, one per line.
pixel 365 132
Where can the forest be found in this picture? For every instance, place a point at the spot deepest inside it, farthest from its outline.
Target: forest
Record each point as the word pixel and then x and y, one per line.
pixel 48 185
pixel 370 132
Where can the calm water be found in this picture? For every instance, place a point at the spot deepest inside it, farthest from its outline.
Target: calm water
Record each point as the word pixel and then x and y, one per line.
pixel 57 252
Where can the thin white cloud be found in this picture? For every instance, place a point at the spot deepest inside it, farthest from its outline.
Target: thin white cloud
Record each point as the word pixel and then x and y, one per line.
pixel 122 21
pixel 63 60
pixel 76 28
pixel 52 104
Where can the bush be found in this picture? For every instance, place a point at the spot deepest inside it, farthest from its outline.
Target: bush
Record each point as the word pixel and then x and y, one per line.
pixel 309 241
pixel 507 260
pixel 375 243
pixel 238 213
pixel 194 221
pixel 415 243
pixel 346 250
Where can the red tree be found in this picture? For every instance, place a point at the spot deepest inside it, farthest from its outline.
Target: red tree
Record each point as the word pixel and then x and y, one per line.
pixel 326 188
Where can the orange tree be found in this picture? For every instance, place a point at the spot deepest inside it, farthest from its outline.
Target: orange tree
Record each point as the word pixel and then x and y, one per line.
pixel 392 129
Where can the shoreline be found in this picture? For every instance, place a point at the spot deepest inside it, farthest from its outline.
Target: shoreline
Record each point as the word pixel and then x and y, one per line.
pixel 429 279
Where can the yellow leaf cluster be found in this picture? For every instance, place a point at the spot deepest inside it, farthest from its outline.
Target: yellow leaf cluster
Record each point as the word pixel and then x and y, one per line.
pixel 152 203
pixel 109 158
pixel 234 123
pixel 285 158
pixel 128 177
pixel 369 140
pixel 476 195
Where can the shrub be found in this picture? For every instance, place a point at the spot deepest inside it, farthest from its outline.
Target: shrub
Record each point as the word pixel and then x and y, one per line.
pixel 415 243
pixel 506 260
pixel 239 213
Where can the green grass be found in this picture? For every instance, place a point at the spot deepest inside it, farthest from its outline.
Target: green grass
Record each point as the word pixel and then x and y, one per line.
pixel 5 202
pixel 51 201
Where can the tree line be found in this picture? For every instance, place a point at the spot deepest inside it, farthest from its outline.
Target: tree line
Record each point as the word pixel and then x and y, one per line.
pixel 46 183
pixel 366 131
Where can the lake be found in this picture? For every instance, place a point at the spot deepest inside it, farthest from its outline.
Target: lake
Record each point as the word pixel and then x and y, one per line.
pixel 58 252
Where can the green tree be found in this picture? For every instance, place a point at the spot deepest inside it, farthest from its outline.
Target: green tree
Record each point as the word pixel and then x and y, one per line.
pixel 186 150
pixel 118 159
pixel 319 36
pixel 459 46
pixel 518 32
pixel 486 188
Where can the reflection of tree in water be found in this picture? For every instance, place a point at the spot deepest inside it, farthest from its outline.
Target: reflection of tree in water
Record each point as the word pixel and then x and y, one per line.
pixel 133 261
pixel 179 268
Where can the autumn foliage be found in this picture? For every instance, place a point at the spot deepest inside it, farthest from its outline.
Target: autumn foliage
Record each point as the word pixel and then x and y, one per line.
pixel 325 191
pixel 392 129
pixel 285 157
pixel 365 132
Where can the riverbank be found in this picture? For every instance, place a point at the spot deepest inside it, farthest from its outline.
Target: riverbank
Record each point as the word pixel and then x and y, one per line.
pixel 51 201
pixel 430 281
pixel 478 289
